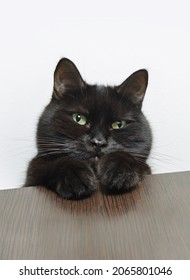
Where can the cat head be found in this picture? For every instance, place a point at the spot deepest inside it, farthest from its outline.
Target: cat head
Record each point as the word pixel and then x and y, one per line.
pixel 87 121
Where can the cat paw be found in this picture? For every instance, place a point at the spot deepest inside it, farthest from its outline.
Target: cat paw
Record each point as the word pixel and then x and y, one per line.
pixel 119 172
pixel 76 181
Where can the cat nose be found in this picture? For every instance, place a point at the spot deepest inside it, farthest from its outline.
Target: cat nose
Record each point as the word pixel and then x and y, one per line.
pixel 98 142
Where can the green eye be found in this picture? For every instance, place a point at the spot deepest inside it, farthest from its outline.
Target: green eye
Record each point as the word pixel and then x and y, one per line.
pixel 118 124
pixel 80 119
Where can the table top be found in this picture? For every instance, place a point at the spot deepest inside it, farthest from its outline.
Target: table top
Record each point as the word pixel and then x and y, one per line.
pixel 150 222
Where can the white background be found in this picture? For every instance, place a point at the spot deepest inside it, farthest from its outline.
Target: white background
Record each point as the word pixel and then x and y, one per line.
pixel 107 40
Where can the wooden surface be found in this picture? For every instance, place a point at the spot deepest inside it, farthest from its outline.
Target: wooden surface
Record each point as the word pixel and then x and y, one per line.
pixel 151 222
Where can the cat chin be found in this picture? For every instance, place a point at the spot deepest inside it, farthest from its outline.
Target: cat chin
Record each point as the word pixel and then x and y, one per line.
pixel 93 162
pixel 94 159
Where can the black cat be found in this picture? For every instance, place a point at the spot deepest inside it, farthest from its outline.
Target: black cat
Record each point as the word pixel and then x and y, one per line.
pixel 91 134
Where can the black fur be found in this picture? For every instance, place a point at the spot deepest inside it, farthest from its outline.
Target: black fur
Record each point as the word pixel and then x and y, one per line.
pixel 72 158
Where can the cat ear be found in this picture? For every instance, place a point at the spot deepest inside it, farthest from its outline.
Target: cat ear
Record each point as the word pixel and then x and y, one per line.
pixel 66 78
pixel 134 87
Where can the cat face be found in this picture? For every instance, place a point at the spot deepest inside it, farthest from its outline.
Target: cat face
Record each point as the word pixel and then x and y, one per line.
pixel 88 121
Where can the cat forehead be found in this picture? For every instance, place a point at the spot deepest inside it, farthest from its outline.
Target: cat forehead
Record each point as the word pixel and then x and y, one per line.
pixel 99 95
pixel 99 100
pixel 103 101
pixel 101 92
pixel 101 89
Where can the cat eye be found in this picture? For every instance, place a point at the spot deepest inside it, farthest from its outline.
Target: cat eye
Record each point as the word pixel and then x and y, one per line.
pixel 118 125
pixel 80 119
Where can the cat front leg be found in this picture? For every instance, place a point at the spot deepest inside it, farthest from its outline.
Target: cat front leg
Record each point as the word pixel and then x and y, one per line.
pixel 74 179
pixel 69 178
pixel 119 172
